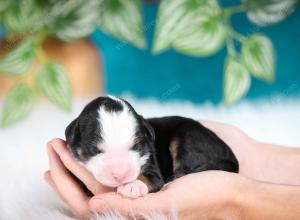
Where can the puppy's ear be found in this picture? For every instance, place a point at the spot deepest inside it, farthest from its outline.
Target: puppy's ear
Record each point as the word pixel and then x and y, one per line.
pixel 72 132
pixel 148 128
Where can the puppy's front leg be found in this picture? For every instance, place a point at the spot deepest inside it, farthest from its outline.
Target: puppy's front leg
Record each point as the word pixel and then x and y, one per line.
pixel 147 182
pixel 134 189
pixel 150 180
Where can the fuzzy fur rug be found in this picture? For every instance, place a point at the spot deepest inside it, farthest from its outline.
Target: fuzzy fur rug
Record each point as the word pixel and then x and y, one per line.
pixel 24 194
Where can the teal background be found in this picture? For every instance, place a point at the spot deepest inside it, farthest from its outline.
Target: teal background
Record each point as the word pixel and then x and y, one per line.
pixel 1 33
pixel 171 75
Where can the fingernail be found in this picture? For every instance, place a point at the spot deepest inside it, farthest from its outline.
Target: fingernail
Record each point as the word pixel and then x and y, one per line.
pixel 99 205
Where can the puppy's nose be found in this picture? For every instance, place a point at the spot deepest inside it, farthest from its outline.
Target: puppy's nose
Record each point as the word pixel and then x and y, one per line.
pixel 120 173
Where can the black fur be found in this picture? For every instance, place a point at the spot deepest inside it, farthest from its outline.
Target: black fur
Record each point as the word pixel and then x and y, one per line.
pixel 198 149
pixel 84 132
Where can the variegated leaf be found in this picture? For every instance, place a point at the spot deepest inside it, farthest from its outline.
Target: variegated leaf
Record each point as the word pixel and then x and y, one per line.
pixel 259 57
pixel 236 81
pixel 20 59
pixel 21 18
pixel 123 19
pixel 75 19
pixel 175 17
pixel 204 37
pixel 18 104
pixel 55 84
pixel 4 5
pixel 265 12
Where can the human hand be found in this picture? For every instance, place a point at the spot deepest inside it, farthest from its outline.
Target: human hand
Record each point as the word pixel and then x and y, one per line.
pixel 250 153
pixel 203 195
pixel 66 186
pixel 259 160
pixel 70 191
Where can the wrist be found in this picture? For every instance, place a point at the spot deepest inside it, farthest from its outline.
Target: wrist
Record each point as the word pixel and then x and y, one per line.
pixel 260 200
pixel 270 163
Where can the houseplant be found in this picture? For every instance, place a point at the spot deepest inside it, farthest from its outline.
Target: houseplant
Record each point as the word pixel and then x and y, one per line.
pixel 193 27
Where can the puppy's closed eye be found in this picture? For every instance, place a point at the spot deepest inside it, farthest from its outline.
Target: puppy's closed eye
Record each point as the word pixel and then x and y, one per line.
pixel 94 151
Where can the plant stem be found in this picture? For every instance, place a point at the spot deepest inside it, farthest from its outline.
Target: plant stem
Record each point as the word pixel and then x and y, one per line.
pixel 236 35
pixel 28 77
pixel 235 9
pixel 230 47
pixel 231 33
pixel 41 55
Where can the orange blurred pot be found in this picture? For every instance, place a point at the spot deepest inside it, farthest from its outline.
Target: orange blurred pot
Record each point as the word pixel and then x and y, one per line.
pixel 81 60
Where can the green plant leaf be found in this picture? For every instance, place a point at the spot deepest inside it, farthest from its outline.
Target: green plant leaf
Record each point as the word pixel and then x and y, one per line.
pixel 4 4
pixel 19 103
pixel 20 59
pixel 185 22
pixel 266 12
pixel 74 19
pixel 204 37
pixel 236 81
pixel 55 84
pixel 123 20
pixel 25 16
pixel 259 57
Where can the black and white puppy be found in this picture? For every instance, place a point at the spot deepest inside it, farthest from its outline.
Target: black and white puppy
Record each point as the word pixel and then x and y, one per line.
pixel 136 155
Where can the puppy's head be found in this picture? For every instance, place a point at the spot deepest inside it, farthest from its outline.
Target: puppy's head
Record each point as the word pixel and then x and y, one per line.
pixel 111 140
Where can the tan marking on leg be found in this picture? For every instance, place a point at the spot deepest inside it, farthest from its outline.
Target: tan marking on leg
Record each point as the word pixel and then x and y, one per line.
pixel 145 180
pixel 174 150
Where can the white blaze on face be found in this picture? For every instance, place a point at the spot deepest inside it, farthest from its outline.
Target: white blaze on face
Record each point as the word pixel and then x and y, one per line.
pixel 117 129
pixel 118 164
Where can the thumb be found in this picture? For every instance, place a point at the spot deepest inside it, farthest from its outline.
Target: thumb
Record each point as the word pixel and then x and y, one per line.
pixel 153 202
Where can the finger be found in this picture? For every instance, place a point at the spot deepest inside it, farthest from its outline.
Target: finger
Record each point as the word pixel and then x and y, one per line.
pixel 66 186
pixel 69 162
pixel 153 202
pixel 78 170
pixel 59 173
pixel 54 160
pixel 48 178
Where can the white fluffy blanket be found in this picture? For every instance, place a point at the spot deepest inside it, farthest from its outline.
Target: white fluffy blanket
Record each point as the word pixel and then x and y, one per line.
pixel 24 194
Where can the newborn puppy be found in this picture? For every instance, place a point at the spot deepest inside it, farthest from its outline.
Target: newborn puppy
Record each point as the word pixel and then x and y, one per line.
pixel 136 155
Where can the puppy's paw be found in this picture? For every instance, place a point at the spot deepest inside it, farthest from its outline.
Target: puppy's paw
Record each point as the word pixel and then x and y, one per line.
pixel 133 190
